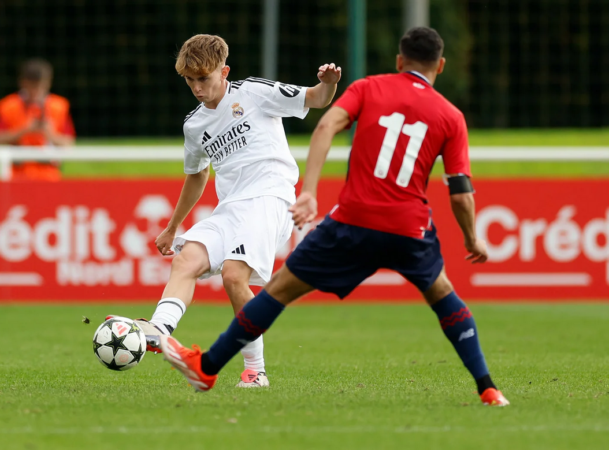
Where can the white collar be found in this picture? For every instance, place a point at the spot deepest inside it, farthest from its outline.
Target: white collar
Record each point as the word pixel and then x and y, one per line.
pixel 419 74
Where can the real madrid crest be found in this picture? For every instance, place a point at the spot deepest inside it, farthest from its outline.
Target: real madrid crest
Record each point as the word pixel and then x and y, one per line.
pixel 237 111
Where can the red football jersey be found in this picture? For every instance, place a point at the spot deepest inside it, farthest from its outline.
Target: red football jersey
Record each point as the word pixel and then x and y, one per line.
pixel 403 125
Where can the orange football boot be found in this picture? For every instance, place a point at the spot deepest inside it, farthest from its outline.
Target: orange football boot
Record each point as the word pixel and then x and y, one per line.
pixel 493 397
pixel 187 361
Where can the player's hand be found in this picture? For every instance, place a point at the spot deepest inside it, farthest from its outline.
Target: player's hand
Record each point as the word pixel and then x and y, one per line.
pixel 478 252
pixel 164 242
pixel 47 128
pixel 329 74
pixel 33 126
pixel 304 210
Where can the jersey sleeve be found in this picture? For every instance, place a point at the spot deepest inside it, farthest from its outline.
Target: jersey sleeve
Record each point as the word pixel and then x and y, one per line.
pixel 276 99
pixel 352 99
pixel 194 161
pixel 455 152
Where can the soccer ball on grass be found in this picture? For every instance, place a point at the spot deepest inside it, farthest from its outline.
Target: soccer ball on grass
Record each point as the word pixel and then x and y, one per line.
pixel 119 343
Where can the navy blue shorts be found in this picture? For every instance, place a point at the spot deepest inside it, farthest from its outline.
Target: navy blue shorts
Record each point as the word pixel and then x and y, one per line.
pixel 336 257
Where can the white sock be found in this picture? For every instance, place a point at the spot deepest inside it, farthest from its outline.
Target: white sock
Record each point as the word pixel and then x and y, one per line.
pixel 253 355
pixel 168 311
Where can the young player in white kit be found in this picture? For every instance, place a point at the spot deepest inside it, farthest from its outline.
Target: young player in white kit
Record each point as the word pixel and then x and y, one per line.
pixel 237 129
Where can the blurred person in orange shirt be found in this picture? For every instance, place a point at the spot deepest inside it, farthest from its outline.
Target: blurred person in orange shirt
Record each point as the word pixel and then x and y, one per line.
pixel 35 117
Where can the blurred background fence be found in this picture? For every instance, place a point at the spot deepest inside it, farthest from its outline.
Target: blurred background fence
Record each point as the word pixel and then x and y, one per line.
pixel 511 63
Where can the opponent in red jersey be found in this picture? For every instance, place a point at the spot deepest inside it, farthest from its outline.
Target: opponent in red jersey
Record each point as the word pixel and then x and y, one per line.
pixel 382 219
pixel 403 125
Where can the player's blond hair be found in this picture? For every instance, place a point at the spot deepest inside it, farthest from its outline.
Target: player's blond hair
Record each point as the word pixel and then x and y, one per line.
pixel 202 54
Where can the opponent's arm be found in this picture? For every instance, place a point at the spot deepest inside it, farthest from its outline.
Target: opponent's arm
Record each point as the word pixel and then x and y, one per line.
pixel 455 154
pixel 332 122
pixel 464 210
pixel 194 184
pixel 321 95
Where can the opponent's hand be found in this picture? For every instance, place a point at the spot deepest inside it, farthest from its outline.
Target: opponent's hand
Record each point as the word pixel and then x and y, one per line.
pixel 304 210
pixel 329 74
pixel 164 242
pixel 478 252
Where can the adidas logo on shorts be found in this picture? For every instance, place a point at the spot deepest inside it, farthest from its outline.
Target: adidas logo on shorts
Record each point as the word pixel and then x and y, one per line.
pixel 239 250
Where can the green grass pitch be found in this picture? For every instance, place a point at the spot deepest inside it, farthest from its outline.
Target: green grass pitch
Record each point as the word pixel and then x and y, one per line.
pixel 343 376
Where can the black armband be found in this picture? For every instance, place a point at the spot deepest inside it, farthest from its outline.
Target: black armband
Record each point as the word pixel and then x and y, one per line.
pixel 459 184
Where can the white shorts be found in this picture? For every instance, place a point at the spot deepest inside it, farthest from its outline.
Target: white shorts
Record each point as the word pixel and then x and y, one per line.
pixel 250 230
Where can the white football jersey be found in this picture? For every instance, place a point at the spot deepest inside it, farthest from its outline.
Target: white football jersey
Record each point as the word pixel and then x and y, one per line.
pixel 244 140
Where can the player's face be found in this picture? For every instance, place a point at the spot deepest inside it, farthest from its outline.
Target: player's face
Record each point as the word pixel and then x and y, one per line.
pixel 35 91
pixel 208 89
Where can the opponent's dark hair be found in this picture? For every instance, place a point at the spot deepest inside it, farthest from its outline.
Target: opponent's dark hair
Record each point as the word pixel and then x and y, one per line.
pixel 35 70
pixel 422 44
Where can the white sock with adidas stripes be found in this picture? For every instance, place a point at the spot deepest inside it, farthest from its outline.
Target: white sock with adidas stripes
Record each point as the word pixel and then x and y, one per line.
pixel 253 355
pixel 168 312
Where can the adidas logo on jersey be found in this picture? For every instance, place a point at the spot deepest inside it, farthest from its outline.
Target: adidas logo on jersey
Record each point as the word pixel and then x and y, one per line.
pixel 239 250
pixel 289 90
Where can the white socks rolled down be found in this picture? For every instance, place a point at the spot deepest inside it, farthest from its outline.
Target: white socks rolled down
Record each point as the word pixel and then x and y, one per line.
pixel 253 355
pixel 168 311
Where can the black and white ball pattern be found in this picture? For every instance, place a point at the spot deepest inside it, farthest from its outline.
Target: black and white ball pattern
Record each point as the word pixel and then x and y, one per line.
pixel 119 344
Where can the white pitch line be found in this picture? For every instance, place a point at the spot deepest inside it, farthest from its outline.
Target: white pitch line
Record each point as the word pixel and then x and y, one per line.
pixel 297 430
pixel 20 279
pixel 531 279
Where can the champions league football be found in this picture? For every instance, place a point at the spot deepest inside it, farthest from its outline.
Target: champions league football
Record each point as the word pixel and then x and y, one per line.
pixel 119 344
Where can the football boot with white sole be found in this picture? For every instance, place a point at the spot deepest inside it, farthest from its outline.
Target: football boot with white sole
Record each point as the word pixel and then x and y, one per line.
pixel 252 379
pixel 151 331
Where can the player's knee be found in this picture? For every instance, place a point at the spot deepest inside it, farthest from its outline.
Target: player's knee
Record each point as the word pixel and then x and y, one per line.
pixel 187 267
pixel 439 289
pixel 234 279
pixel 285 287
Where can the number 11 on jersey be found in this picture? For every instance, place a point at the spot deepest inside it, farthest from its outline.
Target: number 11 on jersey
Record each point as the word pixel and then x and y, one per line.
pixel 395 125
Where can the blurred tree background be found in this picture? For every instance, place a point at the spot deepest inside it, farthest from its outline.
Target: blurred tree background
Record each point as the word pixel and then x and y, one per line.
pixel 511 63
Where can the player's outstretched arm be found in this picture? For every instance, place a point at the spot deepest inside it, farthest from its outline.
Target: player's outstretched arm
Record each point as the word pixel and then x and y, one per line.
pixel 194 184
pixel 332 122
pixel 321 95
pixel 464 209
